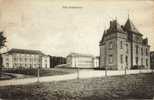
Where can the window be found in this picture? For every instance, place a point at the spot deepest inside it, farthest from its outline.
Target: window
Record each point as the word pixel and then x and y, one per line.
pixel 25 59
pixel 7 64
pixel 15 59
pixel 146 51
pixel 110 59
pixel 126 60
pixel 136 60
pixel 14 65
pixel 121 59
pixel 142 51
pixel 147 62
pixel 110 45
pixel 141 61
pixel 126 48
pixel 30 65
pixel 121 44
pixel 20 59
pixel 136 49
pixel 30 59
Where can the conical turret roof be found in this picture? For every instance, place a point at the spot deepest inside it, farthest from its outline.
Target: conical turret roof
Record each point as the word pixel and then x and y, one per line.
pixel 129 26
pixel 103 36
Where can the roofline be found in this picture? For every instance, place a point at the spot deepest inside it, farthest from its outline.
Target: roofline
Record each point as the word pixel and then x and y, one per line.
pixel 36 51
pixel 79 54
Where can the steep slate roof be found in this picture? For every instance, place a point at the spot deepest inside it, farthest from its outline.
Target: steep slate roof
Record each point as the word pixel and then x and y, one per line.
pixel 115 27
pixel 105 32
pixel 129 26
pixel 24 51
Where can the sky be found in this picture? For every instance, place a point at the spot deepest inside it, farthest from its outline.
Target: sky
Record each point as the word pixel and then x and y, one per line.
pixel 59 27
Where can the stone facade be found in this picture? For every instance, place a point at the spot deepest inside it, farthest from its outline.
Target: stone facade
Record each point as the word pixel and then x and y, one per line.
pixel 16 58
pixel 123 47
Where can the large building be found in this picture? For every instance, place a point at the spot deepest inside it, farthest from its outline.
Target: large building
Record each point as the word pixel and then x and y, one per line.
pixel 23 58
pixel 76 60
pixel 123 47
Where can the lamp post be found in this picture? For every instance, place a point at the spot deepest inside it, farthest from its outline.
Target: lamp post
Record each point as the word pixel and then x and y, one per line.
pixel 105 71
pixel 126 70
pixel 105 63
pixel 38 69
pixel 76 67
pixel 38 74
pixel 140 69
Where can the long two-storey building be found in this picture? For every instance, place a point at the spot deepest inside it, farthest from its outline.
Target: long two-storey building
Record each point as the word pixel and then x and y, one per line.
pixel 77 60
pixel 23 58
pixel 123 47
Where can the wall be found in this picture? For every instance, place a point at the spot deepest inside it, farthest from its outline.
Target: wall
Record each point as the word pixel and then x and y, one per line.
pixel 76 61
pixel 17 60
pixel 123 51
pixel 108 52
pixel 45 62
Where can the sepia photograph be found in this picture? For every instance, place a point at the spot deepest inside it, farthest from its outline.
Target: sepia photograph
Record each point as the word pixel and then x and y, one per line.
pixel 76 50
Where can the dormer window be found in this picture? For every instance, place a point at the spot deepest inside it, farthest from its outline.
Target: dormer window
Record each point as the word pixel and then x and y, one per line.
pixel 110 59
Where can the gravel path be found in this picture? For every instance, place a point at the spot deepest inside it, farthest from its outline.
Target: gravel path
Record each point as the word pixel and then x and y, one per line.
pixel 82 75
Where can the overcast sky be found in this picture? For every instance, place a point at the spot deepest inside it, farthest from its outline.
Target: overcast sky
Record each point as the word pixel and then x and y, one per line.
pixel 56 28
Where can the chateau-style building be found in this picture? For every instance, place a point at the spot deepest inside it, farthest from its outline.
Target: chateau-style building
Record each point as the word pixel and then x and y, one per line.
pixel 123 47
pixel 23 58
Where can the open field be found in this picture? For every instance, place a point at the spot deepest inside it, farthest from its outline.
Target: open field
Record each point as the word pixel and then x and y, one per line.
pixel 139 86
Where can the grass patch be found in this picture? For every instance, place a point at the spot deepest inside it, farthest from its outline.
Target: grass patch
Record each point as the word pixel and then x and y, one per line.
pixel 6 77
pixel 140 86
pixel 33 72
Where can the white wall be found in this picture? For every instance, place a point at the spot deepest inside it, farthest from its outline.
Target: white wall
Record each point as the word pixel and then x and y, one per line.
pixel 45 62
pixel 80 61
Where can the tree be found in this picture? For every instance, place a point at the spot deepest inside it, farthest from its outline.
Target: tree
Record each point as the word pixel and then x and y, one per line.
pixel 2 44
